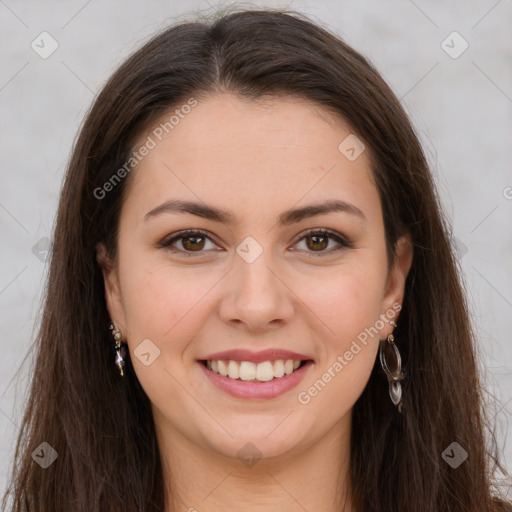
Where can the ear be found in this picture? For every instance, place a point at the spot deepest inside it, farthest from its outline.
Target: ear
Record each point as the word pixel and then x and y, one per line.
pixel 395 285
pixel 112 289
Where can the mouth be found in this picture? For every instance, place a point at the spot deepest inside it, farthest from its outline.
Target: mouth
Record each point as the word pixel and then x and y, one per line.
pixel 246 375
pixel 249 371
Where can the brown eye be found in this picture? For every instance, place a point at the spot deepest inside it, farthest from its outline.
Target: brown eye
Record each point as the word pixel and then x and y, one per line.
pixel 191 242
pixel 317 241
pixel 194 242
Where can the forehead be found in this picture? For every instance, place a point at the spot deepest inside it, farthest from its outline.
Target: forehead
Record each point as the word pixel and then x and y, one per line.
pixel 254 154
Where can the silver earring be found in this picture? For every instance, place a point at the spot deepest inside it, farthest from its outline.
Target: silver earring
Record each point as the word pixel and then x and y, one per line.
pixel 119 348
pixel 394 377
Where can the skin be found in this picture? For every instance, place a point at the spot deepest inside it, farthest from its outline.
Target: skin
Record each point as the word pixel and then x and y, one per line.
pixel 256 159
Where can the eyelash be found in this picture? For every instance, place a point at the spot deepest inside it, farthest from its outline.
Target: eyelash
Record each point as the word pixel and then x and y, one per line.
pixel 344 243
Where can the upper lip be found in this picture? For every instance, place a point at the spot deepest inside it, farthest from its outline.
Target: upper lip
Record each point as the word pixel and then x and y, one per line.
pixel 271 354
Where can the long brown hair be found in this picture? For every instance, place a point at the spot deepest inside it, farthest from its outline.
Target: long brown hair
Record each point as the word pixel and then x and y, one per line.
pixel 101 425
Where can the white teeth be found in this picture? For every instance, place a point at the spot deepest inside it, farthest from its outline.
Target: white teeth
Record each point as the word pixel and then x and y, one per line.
pixel 223 369
pixel 288 366
pixel 249 371
pixel 233 370
pixel 265 371
pixel 279 368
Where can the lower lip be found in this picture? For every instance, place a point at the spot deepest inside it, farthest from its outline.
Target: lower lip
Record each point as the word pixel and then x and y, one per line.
pixel 256 390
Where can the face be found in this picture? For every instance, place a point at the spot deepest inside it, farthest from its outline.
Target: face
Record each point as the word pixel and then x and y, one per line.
pixel 264 288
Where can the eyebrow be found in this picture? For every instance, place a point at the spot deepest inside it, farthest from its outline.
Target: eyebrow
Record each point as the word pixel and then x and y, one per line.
pixel 225 217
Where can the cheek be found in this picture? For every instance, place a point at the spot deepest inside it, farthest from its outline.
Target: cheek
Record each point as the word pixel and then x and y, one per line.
pixel 159 305
pixel 346 300
pixel 169 306
pixel 157 300
pixel 348 342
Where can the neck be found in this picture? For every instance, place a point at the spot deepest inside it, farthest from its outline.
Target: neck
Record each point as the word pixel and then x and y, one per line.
pixel 315 477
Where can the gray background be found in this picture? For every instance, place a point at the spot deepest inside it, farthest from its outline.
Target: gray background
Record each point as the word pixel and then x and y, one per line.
pixel 461 107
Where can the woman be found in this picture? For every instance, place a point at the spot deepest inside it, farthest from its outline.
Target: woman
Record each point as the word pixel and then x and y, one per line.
pixel 253 302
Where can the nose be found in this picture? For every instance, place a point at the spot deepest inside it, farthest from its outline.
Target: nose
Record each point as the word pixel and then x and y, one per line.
pixel 257 295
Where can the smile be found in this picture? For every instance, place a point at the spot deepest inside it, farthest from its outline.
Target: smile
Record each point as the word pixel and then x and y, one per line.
pixel 254 372
pixel 257 379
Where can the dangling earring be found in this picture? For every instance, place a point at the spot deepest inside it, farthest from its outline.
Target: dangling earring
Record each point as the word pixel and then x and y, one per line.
pixel 119 348
pixel 394 377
